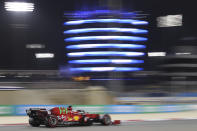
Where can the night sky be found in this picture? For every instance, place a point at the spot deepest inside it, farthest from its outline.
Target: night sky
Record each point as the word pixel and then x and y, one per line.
pixel 45 26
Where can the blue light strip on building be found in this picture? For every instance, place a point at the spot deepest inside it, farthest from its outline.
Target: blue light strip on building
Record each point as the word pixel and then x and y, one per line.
pixel 127 21
pixel 110 79
pixel 121 38
pixel 87 14
pixel 105 69
pixel 125 46
pixel 106 61
pixel 124 30
pixel 105 53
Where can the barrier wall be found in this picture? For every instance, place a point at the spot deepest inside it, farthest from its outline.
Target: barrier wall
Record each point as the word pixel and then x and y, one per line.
pixel 6 110
pixel 20 110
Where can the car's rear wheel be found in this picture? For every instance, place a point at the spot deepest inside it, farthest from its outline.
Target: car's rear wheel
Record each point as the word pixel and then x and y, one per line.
pixel 52 121
pixel 33 122
pixel 106 120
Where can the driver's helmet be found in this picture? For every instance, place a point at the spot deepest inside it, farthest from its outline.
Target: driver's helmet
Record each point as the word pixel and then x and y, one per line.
pixel 69 108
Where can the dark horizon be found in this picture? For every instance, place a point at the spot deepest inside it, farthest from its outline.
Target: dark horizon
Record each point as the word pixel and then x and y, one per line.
pixel 45 26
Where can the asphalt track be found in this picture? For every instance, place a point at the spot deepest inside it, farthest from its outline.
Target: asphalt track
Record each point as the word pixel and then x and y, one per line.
pixel 173 125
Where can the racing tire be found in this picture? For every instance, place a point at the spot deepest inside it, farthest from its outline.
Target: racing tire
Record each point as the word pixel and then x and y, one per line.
pixel 106 120
pixel 52 121
pixel 33 122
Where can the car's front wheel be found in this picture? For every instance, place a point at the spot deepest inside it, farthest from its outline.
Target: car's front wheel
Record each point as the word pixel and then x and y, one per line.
pixel 52 121
pixel 106 120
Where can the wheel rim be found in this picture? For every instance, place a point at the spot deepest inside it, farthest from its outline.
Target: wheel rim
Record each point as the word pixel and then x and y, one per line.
pixel 53 121
pixel 107 120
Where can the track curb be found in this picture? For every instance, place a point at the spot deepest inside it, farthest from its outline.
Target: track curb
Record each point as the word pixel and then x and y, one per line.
pixel 17 124
pixel 144 120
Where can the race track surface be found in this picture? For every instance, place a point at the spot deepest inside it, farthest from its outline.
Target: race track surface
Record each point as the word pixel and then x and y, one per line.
pixel 175 125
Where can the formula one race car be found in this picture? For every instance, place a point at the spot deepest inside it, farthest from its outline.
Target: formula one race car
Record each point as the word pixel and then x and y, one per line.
pixel 61 116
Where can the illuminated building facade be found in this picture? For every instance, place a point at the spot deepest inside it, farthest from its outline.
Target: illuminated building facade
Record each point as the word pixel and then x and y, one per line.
pixel 102 42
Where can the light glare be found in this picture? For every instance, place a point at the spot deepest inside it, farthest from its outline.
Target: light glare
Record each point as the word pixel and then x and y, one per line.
pixel 183 53
pixel 123 21
pixel 153 54
pixel 125 30
pixel 35 46
pixel 106 61
pixel 105 69
pixel 126 46
pixel 19 6
pixel 170 20
pixel 44 55
pixel 121 38
pixel 105 53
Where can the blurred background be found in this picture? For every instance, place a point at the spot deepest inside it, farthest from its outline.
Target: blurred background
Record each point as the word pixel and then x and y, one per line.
pixel 93 52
